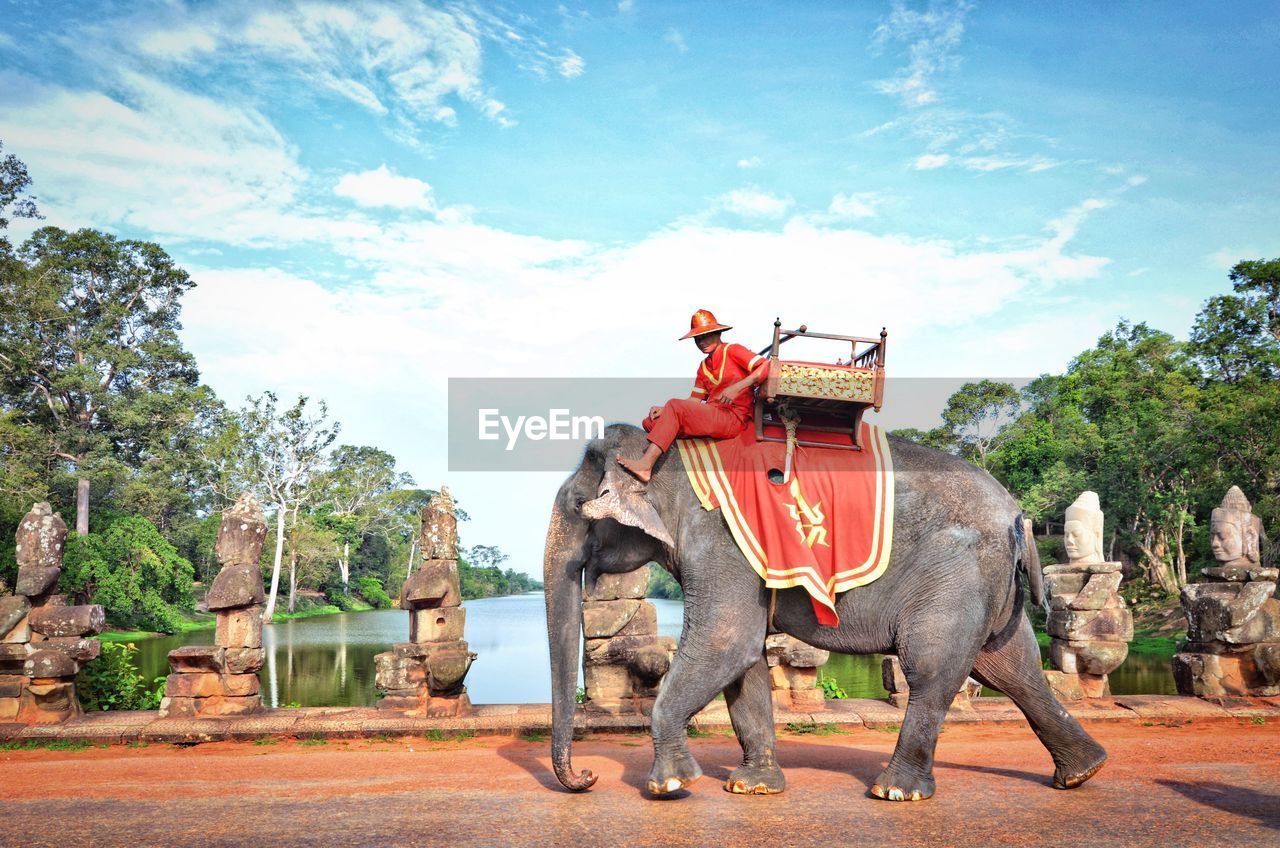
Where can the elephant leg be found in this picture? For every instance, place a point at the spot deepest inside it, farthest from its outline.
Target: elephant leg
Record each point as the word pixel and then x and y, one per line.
pixel 718 645
pixel 750 700
pixel 935 663
pixel 1010 662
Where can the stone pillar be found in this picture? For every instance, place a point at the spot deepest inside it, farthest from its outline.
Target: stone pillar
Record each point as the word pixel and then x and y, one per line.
pixel 624 658
pixel 42 640
pixel 425 675
pixel 222 679
pixel 793 672
pixel 1233 618
pixel 895 682
pixel 1089 623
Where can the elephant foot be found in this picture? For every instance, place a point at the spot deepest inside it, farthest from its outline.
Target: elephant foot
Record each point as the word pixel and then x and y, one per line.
pixel 756 780
pixel 1076 770
pixel 899 786
pixel 673 776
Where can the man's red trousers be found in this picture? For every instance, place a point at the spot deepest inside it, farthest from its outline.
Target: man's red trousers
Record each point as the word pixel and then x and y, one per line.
pixel 686 417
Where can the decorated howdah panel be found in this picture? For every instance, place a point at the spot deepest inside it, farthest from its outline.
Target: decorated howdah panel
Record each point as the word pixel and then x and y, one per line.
pixel 830 382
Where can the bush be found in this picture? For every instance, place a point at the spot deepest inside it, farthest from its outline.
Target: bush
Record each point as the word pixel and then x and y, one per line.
pixel 111 682
pixel 133 572
pixel 831 689
pixel 371 590
pixel 662 584
pixel 343 601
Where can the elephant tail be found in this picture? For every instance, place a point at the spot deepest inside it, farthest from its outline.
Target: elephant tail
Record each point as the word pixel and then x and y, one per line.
pixel 1029 557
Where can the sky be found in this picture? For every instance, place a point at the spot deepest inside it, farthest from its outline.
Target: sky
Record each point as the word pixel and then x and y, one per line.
pixel 374 198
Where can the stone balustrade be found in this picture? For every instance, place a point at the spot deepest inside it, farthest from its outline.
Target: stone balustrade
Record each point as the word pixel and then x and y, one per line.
pixel 624 658
pixel 222 679
pixel 43 640
pixel 425 676
pixel 793 672
pixel 1233 617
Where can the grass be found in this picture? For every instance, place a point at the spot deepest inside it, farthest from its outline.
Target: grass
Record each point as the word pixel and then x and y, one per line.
pixel 264 741
pixel 434 735
pixel 314 740
pixel 48 745
pixel 534 736
pixel 313 612
pixel 697 732
pixel 812 728
pixel 206 621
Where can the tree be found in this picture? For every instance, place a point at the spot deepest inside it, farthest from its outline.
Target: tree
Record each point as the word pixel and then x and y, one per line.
pixel 1140 390
pixel 89 352
pixel 133 572
pixel 975 414
pixel 14 182
pixel 283 450
pixel 356 489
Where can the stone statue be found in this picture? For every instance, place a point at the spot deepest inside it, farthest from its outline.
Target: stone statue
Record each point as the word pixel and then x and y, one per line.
pixel 1082 533
pixel 1235 533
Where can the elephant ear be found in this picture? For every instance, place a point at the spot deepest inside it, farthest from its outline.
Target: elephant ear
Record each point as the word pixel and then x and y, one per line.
pixel 622 498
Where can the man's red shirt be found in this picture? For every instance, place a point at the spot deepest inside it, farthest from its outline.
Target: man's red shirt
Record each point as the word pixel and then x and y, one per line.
pixel 723 367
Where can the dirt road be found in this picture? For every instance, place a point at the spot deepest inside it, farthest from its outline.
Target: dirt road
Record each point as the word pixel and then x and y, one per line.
pixel 1201 784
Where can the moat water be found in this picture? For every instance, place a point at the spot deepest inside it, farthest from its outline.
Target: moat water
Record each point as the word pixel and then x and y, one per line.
pixel 328 660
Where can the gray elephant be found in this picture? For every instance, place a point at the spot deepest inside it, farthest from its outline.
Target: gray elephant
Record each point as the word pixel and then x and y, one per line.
pixel 949 605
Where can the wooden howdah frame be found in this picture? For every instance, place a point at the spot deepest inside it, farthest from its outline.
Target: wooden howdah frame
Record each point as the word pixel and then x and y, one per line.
pixel 826 398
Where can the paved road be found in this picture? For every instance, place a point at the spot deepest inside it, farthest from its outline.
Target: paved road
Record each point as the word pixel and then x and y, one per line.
pixel 1203 784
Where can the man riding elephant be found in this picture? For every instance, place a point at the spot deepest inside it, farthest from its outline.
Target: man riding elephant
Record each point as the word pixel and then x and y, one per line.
pixel 721 403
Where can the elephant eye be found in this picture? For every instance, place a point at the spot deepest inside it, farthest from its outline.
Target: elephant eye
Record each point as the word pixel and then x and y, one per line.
pixel 578 501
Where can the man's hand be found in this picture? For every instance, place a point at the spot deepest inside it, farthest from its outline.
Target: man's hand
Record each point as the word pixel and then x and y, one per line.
pixel 729 394
pixel 655 412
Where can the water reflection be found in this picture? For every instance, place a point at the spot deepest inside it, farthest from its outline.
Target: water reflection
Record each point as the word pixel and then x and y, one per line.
pixel 328 660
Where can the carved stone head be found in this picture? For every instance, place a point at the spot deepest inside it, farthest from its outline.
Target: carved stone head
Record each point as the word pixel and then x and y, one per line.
pixel 1082 534
pixel 1234 531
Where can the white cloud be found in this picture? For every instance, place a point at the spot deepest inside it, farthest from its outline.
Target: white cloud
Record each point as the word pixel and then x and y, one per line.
pixel 572 65
pixel 381 187
pixel 752 162
pixel 860 205
pixel 676 40
pixel 158 159
pixel 625 6
pixel 1030 164
pixel 1227 257
pixel 931 38
pixel 929 161
pixel 754 203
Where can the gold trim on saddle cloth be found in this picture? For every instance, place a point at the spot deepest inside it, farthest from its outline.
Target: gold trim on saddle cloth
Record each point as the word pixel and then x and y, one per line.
pixel 710 484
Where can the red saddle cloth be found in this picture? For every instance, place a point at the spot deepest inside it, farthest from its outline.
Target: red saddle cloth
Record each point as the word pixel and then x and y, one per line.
pixel 828 528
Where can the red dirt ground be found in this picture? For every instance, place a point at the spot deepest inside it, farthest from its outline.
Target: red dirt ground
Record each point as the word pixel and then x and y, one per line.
pixel 1204 784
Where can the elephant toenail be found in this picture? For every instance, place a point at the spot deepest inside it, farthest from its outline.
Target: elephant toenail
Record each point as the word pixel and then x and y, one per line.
pixel 895 794
pixel 876 790
pixel 672 784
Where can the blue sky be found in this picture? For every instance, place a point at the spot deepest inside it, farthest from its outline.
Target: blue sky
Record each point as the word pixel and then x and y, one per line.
pixel 375 197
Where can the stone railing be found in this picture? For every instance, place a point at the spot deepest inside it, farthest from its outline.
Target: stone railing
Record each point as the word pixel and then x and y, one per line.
pixel 222 678
pixel 42 639
pixel 425 675
pixel 624 658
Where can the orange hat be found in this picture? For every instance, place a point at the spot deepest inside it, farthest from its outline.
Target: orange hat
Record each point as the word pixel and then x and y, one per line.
pixel 704 322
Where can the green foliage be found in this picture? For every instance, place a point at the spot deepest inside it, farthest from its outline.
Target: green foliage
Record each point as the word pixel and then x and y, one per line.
pixel 373 592
pixel 137 576
pixel 831 689
pixel 580 695
pixel 662 584
pixel 481 576
pixel 975 414
pixel 112 682
pixel 344 601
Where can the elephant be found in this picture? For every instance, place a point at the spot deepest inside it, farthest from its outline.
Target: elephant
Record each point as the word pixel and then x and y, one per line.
pixel 949 605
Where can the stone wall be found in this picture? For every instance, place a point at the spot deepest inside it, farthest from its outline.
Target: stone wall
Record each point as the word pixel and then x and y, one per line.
pixel 222 678
pixel 624 658
pixel 42 639
pixel 425 676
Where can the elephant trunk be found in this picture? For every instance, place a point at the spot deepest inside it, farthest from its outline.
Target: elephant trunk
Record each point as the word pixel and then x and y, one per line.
pixel 563 562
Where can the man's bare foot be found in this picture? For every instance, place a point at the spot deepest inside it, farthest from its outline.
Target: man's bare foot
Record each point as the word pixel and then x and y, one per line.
pixel 640 469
